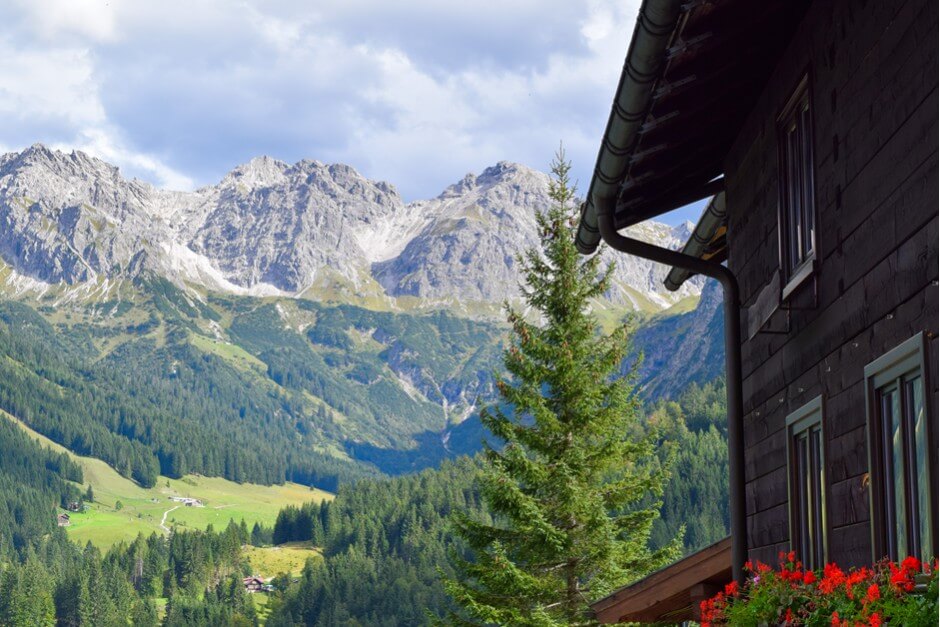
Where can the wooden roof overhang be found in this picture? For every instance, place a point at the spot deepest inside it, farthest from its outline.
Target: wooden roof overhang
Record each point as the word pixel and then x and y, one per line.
pixel 719 55
pixel 709 241
pixel 673 593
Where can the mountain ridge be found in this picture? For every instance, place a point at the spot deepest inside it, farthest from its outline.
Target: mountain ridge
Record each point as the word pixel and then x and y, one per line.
pixel 310 230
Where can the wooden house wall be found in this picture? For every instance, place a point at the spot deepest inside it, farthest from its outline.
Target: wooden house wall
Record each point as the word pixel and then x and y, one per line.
pixel 874 99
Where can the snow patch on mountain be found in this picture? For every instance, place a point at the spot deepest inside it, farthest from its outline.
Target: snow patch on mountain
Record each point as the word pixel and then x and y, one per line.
pixel 183 263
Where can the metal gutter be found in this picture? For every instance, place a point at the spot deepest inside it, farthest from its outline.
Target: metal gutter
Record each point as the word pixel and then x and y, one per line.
pixel 713 218
pixel 654 27
pixel 605 207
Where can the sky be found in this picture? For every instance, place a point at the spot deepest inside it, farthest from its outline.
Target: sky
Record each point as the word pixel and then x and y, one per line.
pixel 414 92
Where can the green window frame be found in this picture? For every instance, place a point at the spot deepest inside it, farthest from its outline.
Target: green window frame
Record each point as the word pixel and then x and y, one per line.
pixel 901 454
pixel 806 484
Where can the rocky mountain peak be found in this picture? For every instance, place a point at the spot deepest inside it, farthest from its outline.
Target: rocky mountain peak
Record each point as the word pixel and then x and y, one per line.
pixel 271 227
pixel 683 231
pixel 259 172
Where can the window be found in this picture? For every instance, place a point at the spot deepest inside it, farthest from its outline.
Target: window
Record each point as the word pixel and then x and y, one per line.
pixel 899 454
pixel 807 484
pixel 797 197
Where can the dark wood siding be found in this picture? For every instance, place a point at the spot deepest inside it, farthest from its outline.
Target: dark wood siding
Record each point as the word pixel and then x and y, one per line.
pixel 873 68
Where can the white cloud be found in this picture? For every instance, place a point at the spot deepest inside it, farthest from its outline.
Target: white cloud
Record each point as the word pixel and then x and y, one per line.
pixel 52 96
pixel 105 144
pixel 53 20
pixel 417 93
pixel 53 85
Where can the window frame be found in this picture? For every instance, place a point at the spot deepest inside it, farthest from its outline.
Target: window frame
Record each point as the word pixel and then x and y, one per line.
pixel 803 420
pixel 910 356
pixel 793 277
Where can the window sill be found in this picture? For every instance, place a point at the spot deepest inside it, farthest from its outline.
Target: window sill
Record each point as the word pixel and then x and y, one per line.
pixel 798 277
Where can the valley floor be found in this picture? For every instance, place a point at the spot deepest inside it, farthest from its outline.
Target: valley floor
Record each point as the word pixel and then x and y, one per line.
pixel 122 508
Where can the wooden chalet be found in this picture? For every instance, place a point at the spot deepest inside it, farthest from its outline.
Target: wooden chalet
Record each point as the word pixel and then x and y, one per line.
pixel 812 126
pixel 253 584
pixel 63 520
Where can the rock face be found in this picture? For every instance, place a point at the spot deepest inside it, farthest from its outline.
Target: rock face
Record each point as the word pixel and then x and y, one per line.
pixel 273 228
pixel 472 235
pixel 679 350
pixel 69 217
pixel 280 225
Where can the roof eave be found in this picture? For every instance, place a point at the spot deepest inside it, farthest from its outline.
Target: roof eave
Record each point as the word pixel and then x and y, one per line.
pixel 701 242
pixel 654 30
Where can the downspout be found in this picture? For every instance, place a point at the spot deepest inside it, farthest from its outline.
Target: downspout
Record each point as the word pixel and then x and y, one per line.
pixel 604 207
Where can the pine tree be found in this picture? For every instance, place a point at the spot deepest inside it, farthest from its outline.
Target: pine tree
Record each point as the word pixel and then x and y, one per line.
pixel 574 490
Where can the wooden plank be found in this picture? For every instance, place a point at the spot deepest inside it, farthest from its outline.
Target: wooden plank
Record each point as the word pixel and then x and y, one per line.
pixel 764 307
pixel 848 502
pixel 850 546
pixel 667 588
pixel 845 411
pixel 765 554
pixel 767 491
pixel 868 300
pixel 770 526
pixel 766 456
pixel 847 455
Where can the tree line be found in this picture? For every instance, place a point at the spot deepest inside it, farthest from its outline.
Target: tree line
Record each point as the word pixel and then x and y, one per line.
pixel 53 581
pixel 149 410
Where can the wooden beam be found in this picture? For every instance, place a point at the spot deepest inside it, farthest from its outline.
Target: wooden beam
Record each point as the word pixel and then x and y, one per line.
pixel 669 588
pixel 762 34
pixel 707 152
pixel 661 202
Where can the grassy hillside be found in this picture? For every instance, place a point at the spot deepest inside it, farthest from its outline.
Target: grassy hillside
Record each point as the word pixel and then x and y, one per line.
pixel 289 557
pixel 143 509
pixel 172 382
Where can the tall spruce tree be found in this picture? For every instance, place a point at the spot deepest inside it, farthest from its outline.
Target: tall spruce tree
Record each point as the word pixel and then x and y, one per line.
pixel 574 490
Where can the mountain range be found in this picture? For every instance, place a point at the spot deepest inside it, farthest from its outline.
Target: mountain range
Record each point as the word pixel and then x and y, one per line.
pixel 301 305
pixel 307 230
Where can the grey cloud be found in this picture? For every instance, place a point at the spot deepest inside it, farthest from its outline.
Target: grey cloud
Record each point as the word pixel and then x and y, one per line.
pixel 206 86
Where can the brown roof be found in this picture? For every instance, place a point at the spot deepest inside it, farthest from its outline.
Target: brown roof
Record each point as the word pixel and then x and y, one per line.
pixel 671 594
pixel 719 55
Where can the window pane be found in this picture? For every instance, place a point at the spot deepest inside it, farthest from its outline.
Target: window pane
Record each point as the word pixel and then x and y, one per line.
pixel 807 496
pixel 816 557
pixel 914 391
pixel 802 514
pixel 894 470
pixel 793 226
pixel 807 221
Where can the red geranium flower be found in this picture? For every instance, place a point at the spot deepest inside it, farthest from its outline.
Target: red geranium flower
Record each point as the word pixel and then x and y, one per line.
pixel 731 589
pixel 833 577
pixel 809 577
pixel 873 593
pixel 911 564
pixel 900 577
